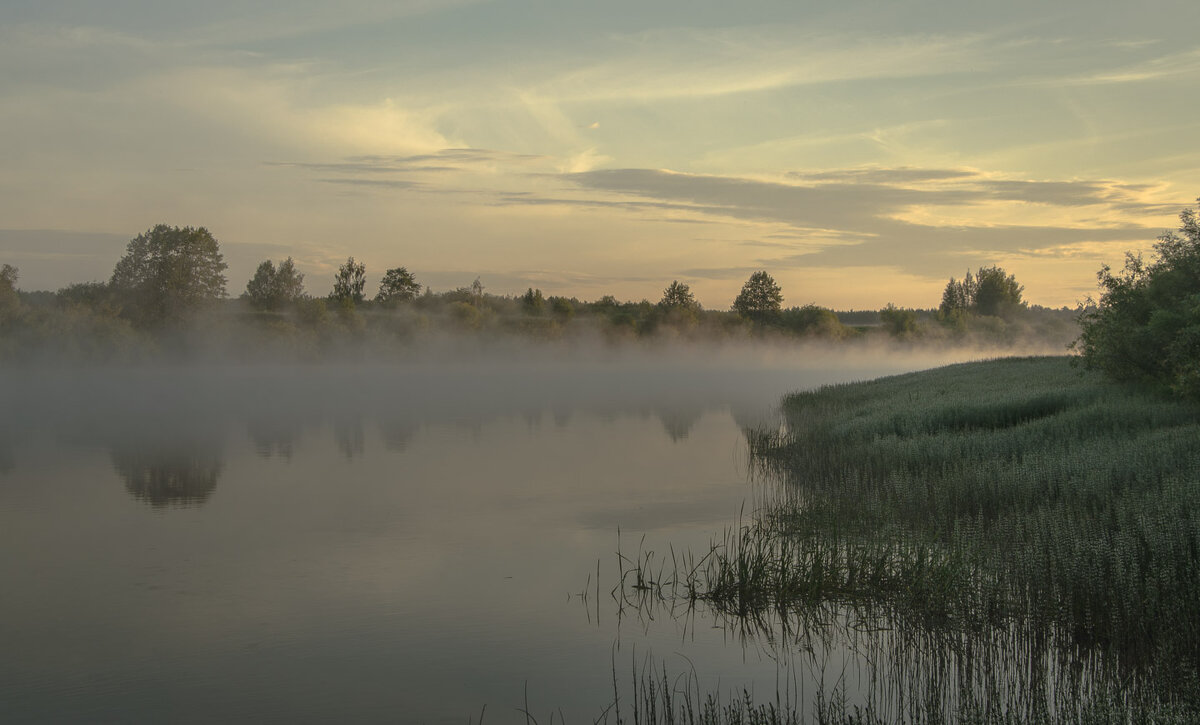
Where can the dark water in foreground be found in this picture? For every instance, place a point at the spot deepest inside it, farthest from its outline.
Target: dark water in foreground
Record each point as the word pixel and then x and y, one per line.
pixel 404 544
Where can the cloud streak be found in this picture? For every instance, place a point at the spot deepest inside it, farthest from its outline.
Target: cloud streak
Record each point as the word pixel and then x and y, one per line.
pixel 907 218
pixel 868 213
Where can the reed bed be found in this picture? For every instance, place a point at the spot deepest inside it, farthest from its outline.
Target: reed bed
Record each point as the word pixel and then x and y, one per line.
pixel 1021 539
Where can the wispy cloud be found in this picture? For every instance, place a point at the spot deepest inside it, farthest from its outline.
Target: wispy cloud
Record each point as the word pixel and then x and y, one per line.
pixel 1172 65
pixel 377 183
pixel 869 214
pixel 691 63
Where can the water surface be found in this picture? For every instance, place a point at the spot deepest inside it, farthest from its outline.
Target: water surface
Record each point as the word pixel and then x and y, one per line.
pixel 368 543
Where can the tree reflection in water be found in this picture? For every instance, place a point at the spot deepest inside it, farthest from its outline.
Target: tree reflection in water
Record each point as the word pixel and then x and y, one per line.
pixel 6 455
pixel 679 420
pixel 349 435
pixel 177 475
pixel 274 435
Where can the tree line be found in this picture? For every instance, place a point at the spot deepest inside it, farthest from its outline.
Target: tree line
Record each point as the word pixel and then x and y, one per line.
pixel 169 289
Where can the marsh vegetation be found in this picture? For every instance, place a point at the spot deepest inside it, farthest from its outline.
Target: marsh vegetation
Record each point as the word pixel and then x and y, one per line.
pixel 1009 541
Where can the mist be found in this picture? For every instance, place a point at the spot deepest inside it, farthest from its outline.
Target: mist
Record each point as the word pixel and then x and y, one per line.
pixel 460 380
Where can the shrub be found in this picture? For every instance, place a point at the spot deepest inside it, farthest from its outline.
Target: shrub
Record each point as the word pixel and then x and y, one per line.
pixel 1146 325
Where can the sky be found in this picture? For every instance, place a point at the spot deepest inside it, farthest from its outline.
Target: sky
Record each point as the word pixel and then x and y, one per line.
pixel 861 152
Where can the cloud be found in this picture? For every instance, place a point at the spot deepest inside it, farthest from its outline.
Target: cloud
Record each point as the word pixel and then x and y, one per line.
pixel 1172 65
pixel 555 280
pixel 693 62
pixel 877 175
pixel 377 183
pixel 920 220
pixel 519 198
pixel 721 273
pixel 867 221
pixel 441 161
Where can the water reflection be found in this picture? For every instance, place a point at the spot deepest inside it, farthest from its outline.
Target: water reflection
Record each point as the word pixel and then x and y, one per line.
pixel 431 585
pixel 839 664
pixel 274 435
pixel 679 420
pixel 885 627
pixel 397 433
pixel 7 462
pixel 178 475
pixel 349 435
pixel 141 416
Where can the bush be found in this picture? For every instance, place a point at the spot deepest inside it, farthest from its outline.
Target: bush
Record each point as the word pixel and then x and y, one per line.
pixel 900 323
pixel 812 320
pixel 1146 325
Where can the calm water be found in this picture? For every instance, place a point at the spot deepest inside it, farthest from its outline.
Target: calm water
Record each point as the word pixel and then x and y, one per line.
pixel 403 544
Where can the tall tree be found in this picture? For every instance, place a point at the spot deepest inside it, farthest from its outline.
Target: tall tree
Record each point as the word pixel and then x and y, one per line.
pixel 9 299
pixel 990 291
pixel 349 281
pixel 532 302
pixel 760 298
pixel 957 297
pixel 996 293
pixel 398 285
pixel 273 288
pixel 679 296
pixel 168 273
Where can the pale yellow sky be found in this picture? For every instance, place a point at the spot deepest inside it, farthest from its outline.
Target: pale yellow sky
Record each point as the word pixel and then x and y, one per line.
pixel 862 154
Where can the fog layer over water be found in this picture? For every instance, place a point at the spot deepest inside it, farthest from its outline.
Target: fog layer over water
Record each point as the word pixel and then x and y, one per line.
pixel 373 543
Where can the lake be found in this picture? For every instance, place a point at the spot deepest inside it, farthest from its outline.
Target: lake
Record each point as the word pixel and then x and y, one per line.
pixel 431 542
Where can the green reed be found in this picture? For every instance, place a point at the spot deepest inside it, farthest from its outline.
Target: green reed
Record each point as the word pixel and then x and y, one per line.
pixel 1033 530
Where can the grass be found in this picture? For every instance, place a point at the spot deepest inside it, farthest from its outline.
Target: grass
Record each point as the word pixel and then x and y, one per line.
pixel 1024 537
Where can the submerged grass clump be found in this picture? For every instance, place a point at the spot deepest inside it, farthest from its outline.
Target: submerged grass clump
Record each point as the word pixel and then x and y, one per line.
pixel 1032 533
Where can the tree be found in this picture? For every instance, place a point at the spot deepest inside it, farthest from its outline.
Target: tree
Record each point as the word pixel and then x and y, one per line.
pixel 95 296
pixel 169 273
pixel 8 281
pixel 562 308
pixel 1146 325
pixel 260 288
pixel 996 294
pixel 901 323
pixel 272 288
pixel 957 297
pixel 10 301
pixel 532 302
pixel 760 298
pixel 990 291
pixel 812 320
pixel 678 296
pixel 349 281
pixel 8 278
pixel 398 285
